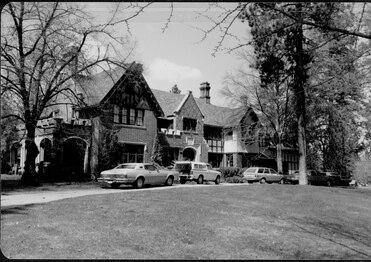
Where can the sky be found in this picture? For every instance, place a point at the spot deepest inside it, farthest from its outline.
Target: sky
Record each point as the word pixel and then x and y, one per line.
pixel 179 55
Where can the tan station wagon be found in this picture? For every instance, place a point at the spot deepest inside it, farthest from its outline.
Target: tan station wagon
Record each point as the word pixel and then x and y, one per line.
pixel 262 175
pixel 196 171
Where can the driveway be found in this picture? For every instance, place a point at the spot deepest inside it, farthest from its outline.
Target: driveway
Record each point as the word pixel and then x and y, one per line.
pixel 35 197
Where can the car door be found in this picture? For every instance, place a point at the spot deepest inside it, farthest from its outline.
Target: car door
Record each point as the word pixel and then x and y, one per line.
pixel 267 175
pixel 211 173
pixel 274 175
pixel 314 177
pixel 162 175
pixel 152 175
pixel 323 178
pixel 260 173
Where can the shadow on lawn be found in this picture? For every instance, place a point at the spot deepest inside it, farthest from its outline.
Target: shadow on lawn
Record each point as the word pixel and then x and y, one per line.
pixel 324 229
pixel 18 210
pixel 130 187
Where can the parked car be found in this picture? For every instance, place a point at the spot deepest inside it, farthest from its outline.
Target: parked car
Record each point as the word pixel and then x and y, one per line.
pixel 340 180
pixel 262 175
pixel 196 171
pixel 291 178
pixel 138 175
pixel 319 178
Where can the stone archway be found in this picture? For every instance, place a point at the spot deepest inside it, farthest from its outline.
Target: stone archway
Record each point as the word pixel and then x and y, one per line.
pixel 45 150
pixel 45 159
pixel 75 158
pixel 189 154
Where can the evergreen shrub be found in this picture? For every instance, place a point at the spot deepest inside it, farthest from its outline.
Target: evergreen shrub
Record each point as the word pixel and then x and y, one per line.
pixel 232 174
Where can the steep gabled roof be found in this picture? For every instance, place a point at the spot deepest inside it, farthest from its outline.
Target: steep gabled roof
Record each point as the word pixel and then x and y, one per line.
pixel 219 116
pixel 100 87
pixel 213 115
pixel 96 87
pixel 169 102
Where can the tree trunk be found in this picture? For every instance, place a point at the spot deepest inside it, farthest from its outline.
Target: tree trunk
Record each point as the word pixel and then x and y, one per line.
pixel 279 157
pixel 29 176
pixel 302 150
pixel 299 81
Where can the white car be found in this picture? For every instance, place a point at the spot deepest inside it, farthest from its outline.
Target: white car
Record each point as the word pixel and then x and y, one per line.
pixel 137 174
pixel 196 171
pixel 262 175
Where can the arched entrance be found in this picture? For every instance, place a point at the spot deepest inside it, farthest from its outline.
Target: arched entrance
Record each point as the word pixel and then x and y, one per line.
pixel 45 157
pixel 189 154
pixel 45 150
pixel 75 158
pixel 15 158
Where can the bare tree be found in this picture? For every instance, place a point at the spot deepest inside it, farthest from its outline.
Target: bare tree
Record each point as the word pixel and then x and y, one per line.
pixel 292 21
pixel 272 103
pixel 45 46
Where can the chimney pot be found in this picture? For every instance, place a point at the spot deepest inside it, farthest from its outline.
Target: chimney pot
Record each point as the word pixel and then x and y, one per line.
pixel 205 92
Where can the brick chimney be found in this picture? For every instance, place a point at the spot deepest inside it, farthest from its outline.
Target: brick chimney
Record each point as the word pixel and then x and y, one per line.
pixel 205 92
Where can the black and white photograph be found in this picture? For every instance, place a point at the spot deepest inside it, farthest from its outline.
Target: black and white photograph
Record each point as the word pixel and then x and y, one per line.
pixel 185 130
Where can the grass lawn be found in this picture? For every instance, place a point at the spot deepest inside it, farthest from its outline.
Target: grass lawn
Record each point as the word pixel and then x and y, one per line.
pixel 221 222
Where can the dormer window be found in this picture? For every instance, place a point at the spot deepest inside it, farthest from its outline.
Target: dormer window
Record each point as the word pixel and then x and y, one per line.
pixel 189 124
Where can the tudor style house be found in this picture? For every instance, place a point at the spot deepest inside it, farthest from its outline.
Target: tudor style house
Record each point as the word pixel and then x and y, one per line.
pixel 72 138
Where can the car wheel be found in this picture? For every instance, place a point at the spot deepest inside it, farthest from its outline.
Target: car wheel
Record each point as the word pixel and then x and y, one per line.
pixel 281 182
pixel 115 185
pixel 200 180
pixel 262 181
pixel 139 183
pixel 217 180
pixel 182 181
pixel 169 181
pixel 328 183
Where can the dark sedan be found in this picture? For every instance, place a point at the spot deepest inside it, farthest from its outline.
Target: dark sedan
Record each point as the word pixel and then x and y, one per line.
pixel 291 178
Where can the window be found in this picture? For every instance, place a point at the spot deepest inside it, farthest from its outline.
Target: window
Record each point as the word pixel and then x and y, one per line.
pixel 182 167
pixel 124 119
pixel 140 118
pixel 128 116
pixel 150 167
pixel 264 140
pixel 229 160
pixel 132 153
pixel 132 116
pixel 126 166
pixel 116 113
pixel 261 170
pixel 189 124
pixel 291 159
pixel 215 146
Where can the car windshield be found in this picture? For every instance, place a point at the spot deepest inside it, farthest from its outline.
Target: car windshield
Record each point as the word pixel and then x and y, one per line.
pixel 183 167
pixel 126 166
pixel 251 170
